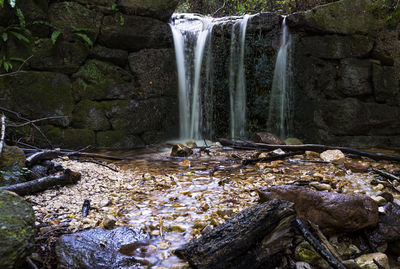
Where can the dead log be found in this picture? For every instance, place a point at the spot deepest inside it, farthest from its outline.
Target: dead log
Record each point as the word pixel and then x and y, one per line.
pixel 257 237
pixel 42 155
pixel 44 183
pixel 318 246
pixel 309 147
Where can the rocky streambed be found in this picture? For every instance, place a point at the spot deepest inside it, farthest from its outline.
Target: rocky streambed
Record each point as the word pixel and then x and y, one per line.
pixel 170 201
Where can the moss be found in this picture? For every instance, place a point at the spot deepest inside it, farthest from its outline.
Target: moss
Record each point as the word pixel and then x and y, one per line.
pixel 78 138
pixel 91 115
pixel 94 71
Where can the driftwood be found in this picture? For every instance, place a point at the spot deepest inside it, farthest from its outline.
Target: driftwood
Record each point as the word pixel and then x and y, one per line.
pixel 41 184
pixel 310 147
pixel 255 238
pixel 42 155
pixel 333 262
pixel 388 177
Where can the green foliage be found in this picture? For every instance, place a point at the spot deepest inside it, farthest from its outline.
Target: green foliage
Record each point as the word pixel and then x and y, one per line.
pixel 5 64
pixel 121 20
pixel 114 7
pixel 85 38
pixel 55 35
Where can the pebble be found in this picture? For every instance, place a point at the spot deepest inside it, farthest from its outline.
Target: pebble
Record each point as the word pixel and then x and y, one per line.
pixel 367 260
pixel 334 156
pixel 320 186
pixel 177 228
pixel 312 155
pixel 379 187
pixel 105 202
pixel 109 222
pixel 379 200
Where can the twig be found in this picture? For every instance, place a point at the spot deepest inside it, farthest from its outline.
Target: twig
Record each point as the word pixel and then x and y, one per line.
pixel 333 262
pixel 388 178
pixel 218 10
pixel 31 264
pixel 3 132
pixel 18 70
pixel 100 163
pixel 34 121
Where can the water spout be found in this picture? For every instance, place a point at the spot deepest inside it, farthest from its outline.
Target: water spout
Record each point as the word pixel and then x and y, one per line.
pixel 280 108
pixel 237 80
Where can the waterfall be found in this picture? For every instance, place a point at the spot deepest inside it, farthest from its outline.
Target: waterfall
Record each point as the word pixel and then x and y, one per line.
pixel 192 42
pixel 280 111
pixel 237 79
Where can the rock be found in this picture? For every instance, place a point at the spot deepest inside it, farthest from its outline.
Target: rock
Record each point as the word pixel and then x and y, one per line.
pixel 91 115
pixel 267 138
pixel 334 156
pixel 109 222
pixel 118 139
pixel 152 67
pixel 78 138
pixel 312 155
pixel 51 91
pixel 303 265
pixel 180 150
pixel 306 253
pixel 366 261
pixel 379 187
pixel 10 155
pixel 17 230
pixel 97 80
pixel 115 56
pixel 320 186
pixel 357 167
pixel 387 195
pixel 158 9
pixel 355 77
pixel 256 237
pixel 293 141
pixel 105 202
pixel 69 17
pixel 12 174
pixel 379 200
pixel 134 33
pixel 65 57
pixel 385 83
pixel 99 248
pixel 332 212
pixel 388 229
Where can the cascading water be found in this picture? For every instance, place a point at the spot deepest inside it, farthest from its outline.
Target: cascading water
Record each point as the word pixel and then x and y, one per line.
pixel 280 111
pixel 192 40
pixel 237 79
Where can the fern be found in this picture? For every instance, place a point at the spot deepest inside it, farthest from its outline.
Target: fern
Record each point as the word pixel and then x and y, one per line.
pixel 20 36
pixel 21 17
pixel 44 23
pixel 55 35
pixel 16 59
pixel 5 37
pixel 85 38
pixel 2 3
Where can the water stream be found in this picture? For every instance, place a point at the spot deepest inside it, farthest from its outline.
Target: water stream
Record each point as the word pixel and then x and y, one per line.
pixel 280 109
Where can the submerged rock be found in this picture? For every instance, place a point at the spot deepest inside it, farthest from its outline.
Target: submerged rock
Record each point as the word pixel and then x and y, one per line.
pixel 332 212
pixel 367 261
pixel 267 138
pixel 17 230
pixel 180 150
pixel 99 248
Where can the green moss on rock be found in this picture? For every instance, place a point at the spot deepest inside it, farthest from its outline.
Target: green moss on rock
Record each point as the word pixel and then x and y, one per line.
pixel 17 232
pixel 78 138
pixel 10 155
pixel 117 139
pixel 91 115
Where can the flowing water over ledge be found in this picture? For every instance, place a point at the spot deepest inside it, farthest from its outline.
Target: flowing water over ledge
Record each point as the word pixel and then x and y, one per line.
pixel 175 199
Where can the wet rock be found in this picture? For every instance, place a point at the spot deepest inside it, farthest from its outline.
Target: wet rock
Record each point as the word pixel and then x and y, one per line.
pixel 10 155
pixel 303 265
pixel 99 248
pixel 180 150
pixel 379 200
pixel 387 195
pixel 379 187
pixel 12 174
pixel 306 253
pixel 366 261
pixel 267 138
pixel 332 212
pixel 388 229
pixel 115 56
pixel 17 230
pixel 312 155
pixel 357 167
pixel 159 9
pixel 334 156
pixel 109 222
pixel 321 186
pixel 254 238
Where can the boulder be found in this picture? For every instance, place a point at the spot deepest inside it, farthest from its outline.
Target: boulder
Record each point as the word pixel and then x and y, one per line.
pixel 388 229
pixel 334 156
pixel 100 248
pixel 64 57
pixel 38 95
pixel 158 9
pixel 386 85
pixel 72 18
pixel 155 71
pixel 115 56
pixel 134 33
pixel 98 80
pixel 180 150
pixel 10 155
pixel 332 212
pixel 267 138
pixel 368 261
pixel 17 230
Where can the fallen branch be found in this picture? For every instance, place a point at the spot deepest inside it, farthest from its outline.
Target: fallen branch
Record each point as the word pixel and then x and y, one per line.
pixel 42 155
pixel 319 247
pixel 3 132
pixel 325 242
pixel 44 183
pixel 388 178
pixel 310 147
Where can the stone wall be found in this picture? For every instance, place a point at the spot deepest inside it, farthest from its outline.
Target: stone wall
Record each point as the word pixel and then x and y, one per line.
pixel 347 73
pixel 119 93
